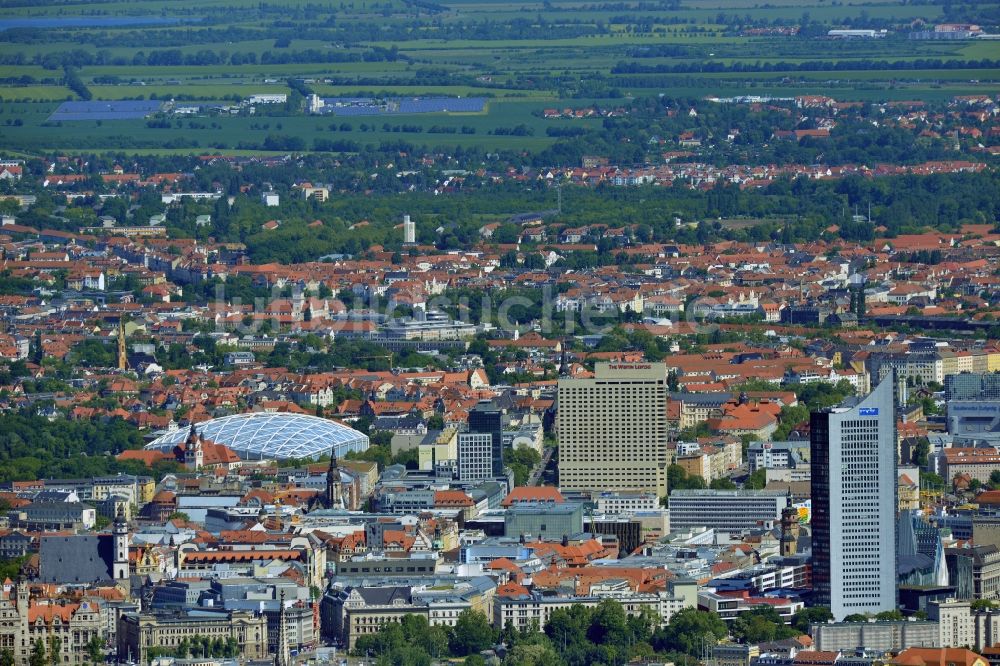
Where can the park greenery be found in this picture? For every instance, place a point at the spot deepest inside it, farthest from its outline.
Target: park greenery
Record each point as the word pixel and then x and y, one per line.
pixel 577 636
pixel 199 646
pixel 786 211
pixel 33 447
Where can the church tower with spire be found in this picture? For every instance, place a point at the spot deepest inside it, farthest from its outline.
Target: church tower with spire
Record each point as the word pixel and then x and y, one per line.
pixel 122 356
pixel 120 535
pixel 564 360
pixel 789 544
pixel 334 498
pixel 194 452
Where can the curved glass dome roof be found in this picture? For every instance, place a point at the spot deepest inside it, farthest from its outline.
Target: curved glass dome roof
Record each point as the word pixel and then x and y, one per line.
pixel 263 435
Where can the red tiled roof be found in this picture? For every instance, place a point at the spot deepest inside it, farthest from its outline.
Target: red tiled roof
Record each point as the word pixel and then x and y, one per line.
pixel 533 494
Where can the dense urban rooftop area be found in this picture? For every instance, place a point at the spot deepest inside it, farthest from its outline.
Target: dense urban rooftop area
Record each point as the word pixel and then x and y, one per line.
pixel 523 334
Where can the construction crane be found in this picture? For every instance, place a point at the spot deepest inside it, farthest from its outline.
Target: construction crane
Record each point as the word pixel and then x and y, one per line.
pixel 387 355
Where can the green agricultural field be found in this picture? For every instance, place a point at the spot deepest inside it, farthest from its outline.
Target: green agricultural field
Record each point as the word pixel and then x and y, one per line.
pixel 525 55
pixel 35 93
pixel 214 91
pixel 227 133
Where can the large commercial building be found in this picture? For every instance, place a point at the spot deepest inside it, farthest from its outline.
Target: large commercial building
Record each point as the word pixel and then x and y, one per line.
pixel 854 504
pixel 544 520
pixel 974 407
pixel 950 624
pixel 731 511
pixel 139 632
pixel 975 386
pixel 349 611
pixel 475 456
pixel 975 572
pixel 613 429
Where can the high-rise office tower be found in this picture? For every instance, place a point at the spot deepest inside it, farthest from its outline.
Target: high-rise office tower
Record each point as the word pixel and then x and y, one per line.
pixel 613 429
pixel 854 504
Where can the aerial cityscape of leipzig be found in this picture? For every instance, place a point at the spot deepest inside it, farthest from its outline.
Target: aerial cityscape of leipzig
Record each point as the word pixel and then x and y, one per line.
pixel 500 332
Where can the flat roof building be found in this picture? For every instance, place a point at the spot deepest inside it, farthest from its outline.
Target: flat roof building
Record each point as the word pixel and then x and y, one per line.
pixel 544 520
pixel 731 511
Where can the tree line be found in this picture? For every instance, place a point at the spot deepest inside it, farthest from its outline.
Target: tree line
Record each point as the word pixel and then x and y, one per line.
pixel 577 636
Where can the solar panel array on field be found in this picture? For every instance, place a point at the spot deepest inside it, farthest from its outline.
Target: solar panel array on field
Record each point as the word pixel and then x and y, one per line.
pixel 365 106
pixel 106 110
pixel 442 104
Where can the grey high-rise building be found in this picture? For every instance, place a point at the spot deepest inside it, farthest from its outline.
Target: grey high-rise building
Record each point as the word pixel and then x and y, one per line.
pixel 854 504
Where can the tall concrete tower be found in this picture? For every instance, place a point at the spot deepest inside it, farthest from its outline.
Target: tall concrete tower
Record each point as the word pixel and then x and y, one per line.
pixel 409 231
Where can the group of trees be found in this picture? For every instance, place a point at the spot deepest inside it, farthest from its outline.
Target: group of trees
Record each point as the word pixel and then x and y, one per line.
pixel 33 447
pixel 573 637
pixel 414 642
pixel 76 84
pixel 579 636
pixel 521 461
pixel 847 65
pixel 49 653
pixel 199 646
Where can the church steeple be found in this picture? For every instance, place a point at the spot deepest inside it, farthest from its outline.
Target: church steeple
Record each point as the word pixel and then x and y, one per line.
pixel 122 357
pixel 119 532
pixel 334 498
pixel 194 451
